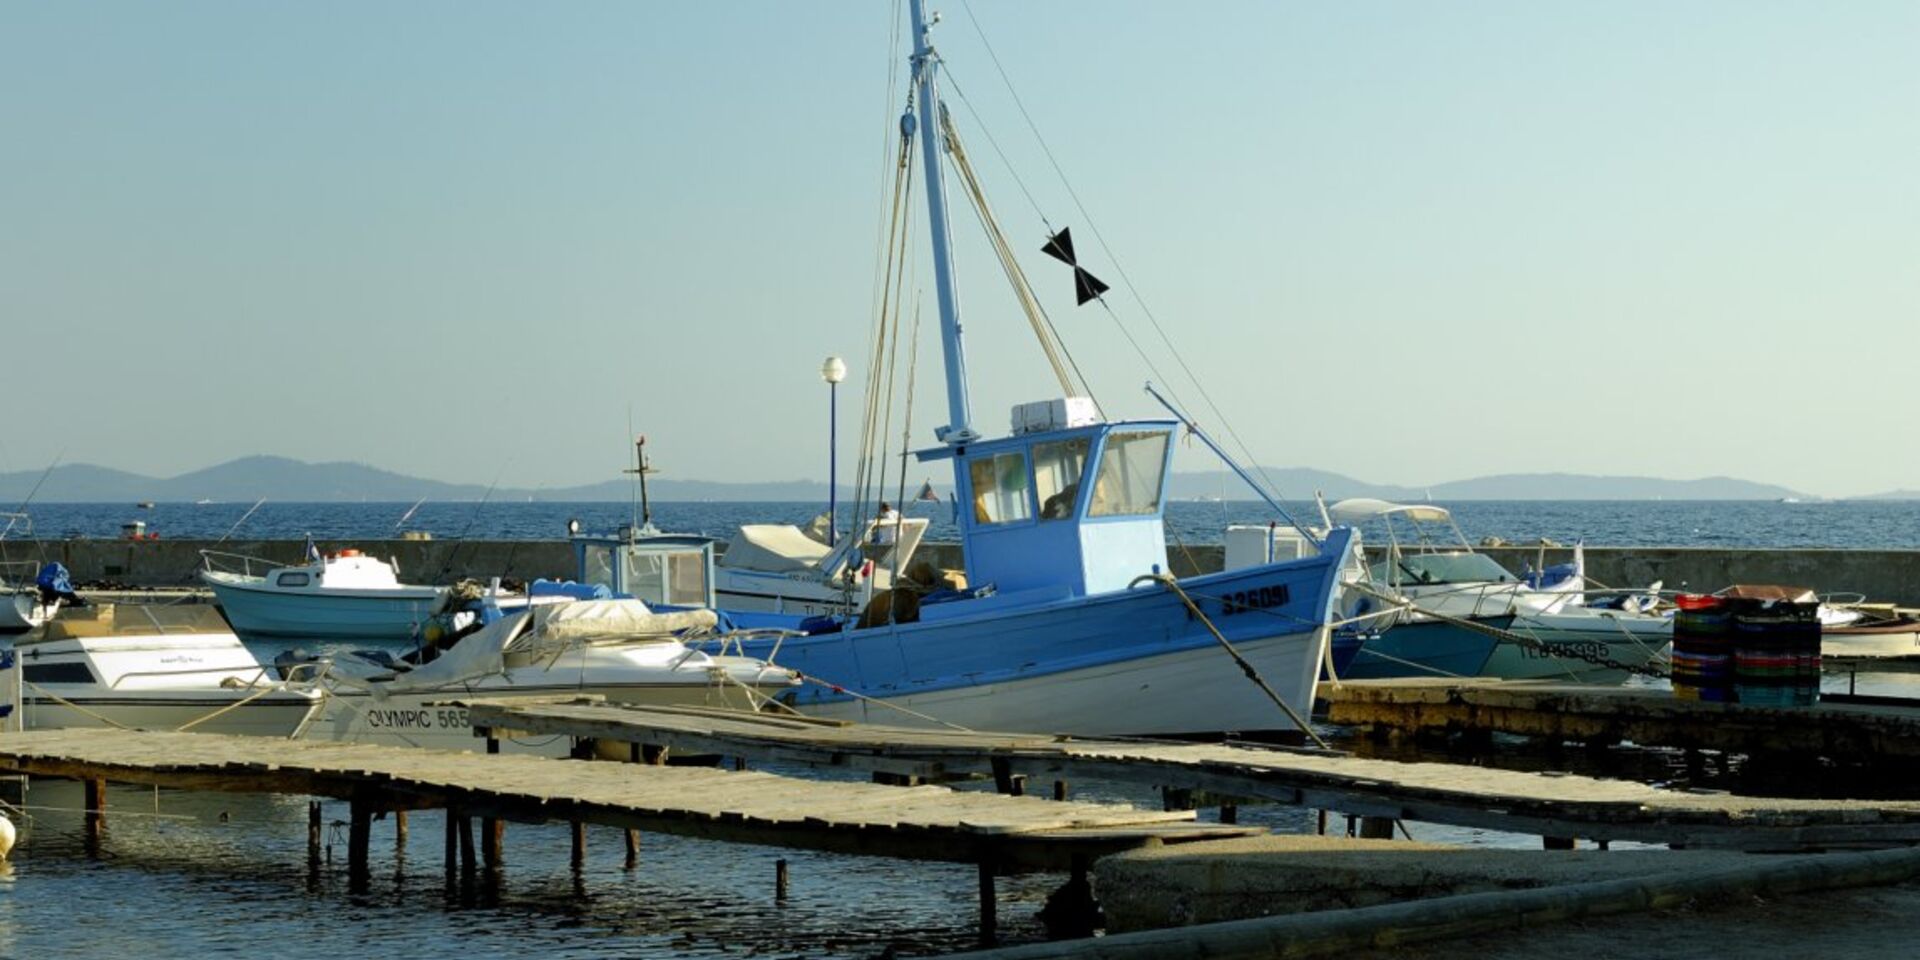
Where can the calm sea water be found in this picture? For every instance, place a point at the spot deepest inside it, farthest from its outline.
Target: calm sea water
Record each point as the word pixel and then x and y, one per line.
pixel 1859 524
pixel 196 875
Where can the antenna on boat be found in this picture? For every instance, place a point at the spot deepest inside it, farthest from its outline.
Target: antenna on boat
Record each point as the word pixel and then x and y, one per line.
pixel 640 471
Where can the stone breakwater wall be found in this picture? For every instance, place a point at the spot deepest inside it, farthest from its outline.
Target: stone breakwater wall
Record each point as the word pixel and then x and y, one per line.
pixel 1891 576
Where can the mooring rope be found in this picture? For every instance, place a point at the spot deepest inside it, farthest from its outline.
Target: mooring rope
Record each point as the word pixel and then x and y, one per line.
pixel 1245 667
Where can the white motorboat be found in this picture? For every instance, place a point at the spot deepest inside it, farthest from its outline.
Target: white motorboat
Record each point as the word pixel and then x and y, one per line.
pixel 172 667
pixel 341 596
pixel 1415 604
pixel 180 668
pixel 619 650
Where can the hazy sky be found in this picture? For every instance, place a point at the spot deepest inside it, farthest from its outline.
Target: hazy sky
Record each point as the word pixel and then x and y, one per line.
pixel 1407 241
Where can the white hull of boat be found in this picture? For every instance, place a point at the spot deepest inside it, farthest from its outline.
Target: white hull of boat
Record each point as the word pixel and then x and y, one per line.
pixel 20 612
pixel 1192 691
pixel 1905 643
pixel 276 714
pixel 435 720
pixel 1636 641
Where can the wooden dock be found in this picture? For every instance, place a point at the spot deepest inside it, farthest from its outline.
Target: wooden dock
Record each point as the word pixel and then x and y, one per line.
pixel 1549 805
pixel 1001 834
pixel 1845 732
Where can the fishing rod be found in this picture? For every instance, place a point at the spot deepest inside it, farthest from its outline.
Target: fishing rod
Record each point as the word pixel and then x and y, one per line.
pixel 408 515
pixel 243 519
pixel 460 538
pixel 44 474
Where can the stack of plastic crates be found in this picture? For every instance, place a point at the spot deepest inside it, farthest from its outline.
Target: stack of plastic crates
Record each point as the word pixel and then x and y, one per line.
pixel 1703 649
pixel 1776 649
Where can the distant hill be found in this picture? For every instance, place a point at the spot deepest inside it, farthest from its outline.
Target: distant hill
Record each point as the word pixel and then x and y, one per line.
pixel 1575 486
pixel 1300 483
pixel 285 479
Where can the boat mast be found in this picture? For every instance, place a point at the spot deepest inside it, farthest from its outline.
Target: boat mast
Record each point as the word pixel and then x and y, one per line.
pixel 959 429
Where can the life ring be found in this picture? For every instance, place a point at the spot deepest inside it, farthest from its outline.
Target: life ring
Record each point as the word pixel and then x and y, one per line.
pixel 349 552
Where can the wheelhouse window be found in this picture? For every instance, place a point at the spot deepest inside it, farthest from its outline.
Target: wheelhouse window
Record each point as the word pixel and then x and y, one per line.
pixel 292 580
pixel 1132 471
pixel 1058 466
pixel 646 576
pixel 1000 488
pixel 687 579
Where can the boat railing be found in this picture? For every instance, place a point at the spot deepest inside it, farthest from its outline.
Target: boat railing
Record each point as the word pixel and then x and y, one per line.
pixel 18 572
pixel 242 564
pixel 735 642
pixel 1493 599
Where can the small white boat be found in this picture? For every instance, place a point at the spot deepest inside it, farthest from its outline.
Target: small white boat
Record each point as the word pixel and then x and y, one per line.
pixel 180 668
pixel 616 649
pixel 175 667
pixel 342 596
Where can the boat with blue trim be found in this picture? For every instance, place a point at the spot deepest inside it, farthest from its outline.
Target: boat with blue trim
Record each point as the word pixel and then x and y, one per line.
pixel 1067 620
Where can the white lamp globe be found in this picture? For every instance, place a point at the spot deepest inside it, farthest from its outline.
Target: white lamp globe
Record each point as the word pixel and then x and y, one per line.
pixel 834 370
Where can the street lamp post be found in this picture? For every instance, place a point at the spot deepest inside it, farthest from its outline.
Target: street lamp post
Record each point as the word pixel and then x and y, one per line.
pixel 833 371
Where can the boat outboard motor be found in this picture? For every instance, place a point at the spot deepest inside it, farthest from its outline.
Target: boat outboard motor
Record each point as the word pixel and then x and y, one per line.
pixel 56 584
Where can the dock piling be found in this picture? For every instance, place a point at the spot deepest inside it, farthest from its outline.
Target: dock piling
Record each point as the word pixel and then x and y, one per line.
pixel 1060 790
pixel 780 880
pixel 95 799
pixel 579 860
pixel 359 836
pixel 313 839
pixel 450 850
pixel 400 829
pixel 989 904
pixel 466 844
pixel 493 831
pixel 633 848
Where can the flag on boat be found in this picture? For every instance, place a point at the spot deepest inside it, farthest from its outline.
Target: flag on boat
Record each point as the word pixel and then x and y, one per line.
pixel 312 551
pixel 926 493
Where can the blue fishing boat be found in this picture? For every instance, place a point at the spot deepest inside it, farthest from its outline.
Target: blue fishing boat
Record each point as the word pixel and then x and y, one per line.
pixel 1067 620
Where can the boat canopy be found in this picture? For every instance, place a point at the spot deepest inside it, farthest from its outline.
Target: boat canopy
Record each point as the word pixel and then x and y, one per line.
pixel 1361 509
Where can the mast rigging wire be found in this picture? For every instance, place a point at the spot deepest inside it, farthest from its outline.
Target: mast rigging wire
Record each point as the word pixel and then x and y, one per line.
pixel 1125 278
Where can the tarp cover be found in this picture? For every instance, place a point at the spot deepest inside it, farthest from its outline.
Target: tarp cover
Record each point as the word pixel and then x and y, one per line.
pixel 775 548
pixel 612 619
pixel 477 655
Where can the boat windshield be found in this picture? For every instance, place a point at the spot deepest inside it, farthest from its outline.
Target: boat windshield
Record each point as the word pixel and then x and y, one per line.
pixel 1131 474
pixel 1057 467
pixel 1425 568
